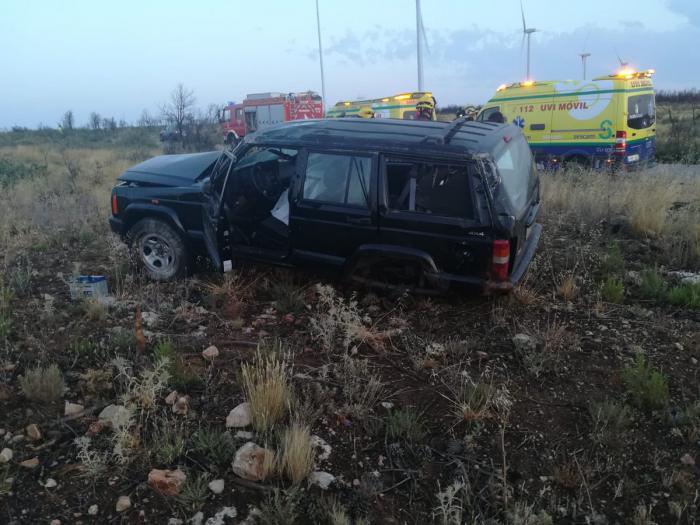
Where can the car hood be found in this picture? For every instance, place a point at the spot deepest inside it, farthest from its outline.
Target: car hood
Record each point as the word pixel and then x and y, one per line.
pixel 171 170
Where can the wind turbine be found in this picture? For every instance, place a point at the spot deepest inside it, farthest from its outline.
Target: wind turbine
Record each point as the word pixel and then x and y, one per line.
pixel 527 32
pixel 420 38
pixel 584 56
pixel 320 55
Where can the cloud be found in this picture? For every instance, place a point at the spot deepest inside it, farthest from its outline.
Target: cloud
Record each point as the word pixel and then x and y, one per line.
pixel 688 8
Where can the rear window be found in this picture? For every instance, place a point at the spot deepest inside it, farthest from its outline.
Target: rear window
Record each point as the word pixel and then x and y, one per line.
pixel 514 162
pixel 641 111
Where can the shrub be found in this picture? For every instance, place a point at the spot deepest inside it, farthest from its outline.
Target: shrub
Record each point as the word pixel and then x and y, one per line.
pixel 472 399
pixel 163 350
pixel 194 492
pixel 653 285
pixel 280 508
pixel 613 263
pixel 43 384
pixel 266 385
pixel 648 386
pixel 686 295
pixel 289 298
pixel 613 290
pixel 297 459
pixel 168 442
pixel 406 425
pixel 610 420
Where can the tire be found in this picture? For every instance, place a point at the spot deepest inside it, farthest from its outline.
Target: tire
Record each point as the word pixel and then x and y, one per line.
pixel 158 250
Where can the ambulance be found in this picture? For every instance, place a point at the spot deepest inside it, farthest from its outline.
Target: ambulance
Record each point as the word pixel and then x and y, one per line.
pixel 401 106
pixel 607 122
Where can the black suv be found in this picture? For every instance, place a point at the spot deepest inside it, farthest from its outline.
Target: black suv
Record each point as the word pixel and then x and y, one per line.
pixel 385 202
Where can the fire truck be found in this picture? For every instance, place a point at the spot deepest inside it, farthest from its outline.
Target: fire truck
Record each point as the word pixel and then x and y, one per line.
pixel 261 110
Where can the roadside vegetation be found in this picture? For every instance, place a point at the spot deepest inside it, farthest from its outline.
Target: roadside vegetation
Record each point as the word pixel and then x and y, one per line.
pixel 267 396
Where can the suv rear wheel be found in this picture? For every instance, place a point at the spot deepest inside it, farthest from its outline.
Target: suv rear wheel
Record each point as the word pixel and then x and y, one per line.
pixel 158 249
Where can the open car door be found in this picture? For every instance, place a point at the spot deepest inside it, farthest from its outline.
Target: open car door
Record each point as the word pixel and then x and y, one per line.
pixel 212 221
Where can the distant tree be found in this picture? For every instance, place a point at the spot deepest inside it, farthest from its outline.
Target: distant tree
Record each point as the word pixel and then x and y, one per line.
pixel 95 121
pixel 146 120
pixel 178 111
pixel 68 121
pixel 122 123
pixel 109 123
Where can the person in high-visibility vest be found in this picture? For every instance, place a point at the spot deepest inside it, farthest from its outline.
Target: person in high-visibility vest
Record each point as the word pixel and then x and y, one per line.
pixel 365 112
pixel 425 107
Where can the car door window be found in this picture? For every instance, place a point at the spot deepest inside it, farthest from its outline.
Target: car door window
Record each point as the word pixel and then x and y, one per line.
pixel 514 163
pixel 338 179
pixel 484 117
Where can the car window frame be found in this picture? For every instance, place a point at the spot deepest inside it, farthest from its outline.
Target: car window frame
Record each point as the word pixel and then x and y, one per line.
pixel 302 161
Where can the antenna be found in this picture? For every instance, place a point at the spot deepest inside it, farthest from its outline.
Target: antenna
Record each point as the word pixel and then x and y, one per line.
pixel 527 32
pixel 584 56
pixel 320 55
pixel 420 36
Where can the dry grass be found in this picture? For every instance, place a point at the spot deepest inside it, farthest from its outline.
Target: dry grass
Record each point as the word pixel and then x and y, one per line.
pixel 567 288
pixel 297 459
pixel 43 384
pixel 267 389
pixel 663 203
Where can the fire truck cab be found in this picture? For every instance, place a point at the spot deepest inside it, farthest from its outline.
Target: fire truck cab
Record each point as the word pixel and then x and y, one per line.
pixel 261 110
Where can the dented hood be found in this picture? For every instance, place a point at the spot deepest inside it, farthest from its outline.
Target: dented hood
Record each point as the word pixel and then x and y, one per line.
pixel 171 170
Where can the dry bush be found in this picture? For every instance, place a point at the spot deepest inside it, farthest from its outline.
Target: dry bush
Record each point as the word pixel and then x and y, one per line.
pixel 567 288
pixel 471 399
pixel 661 203
pixel 267 389
pixel 141 391
pixel 297 460
pixel 43 384
pixel 361 389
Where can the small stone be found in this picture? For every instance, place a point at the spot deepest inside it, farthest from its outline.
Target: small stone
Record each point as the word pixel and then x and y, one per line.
pixel 95 428
pixel 524 343
pixel 249 462
pixel 175 521
pixel 171 398
pixel 123 503
pixel 319 443
pixel 688 460
pixel 182 406
pixel 55 522
pixel 693 361
pixel 31 463
pixel 33 432
pixel 239 417
pixel 92 511
pixel 50 483
pixel 197 519
pixel 73 409
pixel 17 439
pixel 210 353
pixel 150 319
pixel 166 482
pixel 322 479
pixel 678 346
pixel 387 404
pixel 217 486
pixel 115 416
pixel 220 517
pixel 243 434
pixel 6 455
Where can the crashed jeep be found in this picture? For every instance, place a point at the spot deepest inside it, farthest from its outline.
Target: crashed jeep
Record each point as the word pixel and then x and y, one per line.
pixel 388 203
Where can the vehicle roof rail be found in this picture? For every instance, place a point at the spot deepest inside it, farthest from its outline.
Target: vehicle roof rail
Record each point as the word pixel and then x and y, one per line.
pixel 453 128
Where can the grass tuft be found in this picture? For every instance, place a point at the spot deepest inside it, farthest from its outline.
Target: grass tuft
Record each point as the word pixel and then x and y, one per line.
pixel 43 384
pixel 297 460
pixel 613 290
pixel 648 386
pixel 267 389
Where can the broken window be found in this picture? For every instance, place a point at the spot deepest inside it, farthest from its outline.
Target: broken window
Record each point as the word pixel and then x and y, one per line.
pixel 338 179
pixel 514 162
pixel 437 189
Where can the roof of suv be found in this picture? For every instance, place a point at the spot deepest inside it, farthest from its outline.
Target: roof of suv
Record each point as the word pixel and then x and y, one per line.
pixel 458 137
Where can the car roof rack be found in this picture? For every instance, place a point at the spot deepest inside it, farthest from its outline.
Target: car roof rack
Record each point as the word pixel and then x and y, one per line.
pixel 453 128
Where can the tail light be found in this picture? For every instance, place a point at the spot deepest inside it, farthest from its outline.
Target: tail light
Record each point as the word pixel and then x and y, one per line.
pixel 115 208
pixel 499 260
pixel 620 143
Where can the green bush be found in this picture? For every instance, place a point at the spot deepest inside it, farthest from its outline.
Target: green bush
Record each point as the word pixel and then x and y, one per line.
pixel 686 294
pixel 653 285
pixel 648 386
pixel 406 425
pixel 613 290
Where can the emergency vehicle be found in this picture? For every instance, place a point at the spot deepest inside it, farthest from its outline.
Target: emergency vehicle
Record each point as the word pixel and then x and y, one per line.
pixel 401 106
pixel 261 110
pixel 610 120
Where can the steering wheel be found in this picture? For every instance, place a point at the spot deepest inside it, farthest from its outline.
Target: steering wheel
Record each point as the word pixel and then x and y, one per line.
pixel 266 183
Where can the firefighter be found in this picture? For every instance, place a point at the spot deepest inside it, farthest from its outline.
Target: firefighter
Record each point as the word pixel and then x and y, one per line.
pixel 425 107
pixel 365 112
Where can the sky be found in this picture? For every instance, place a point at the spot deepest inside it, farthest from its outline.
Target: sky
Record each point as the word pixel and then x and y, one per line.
pixel 120 57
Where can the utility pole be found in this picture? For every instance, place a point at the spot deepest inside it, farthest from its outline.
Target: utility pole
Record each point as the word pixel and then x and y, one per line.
pixel 584 56
pixel 320 56
pixel 419 47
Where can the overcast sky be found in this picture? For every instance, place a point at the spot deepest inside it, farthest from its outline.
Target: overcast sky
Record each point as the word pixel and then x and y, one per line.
pixel 120 57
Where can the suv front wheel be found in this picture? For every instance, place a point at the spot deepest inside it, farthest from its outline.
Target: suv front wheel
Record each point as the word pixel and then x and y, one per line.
pixel 158 249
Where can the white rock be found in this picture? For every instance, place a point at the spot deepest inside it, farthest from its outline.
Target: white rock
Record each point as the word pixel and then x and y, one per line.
pixel 210 353
pixel 150 319
pixel 175 521
pixel 73 409
pixel 220 517
pixel 197 519
pixel 249 462
pixel 524 343
pixel 243 434
pixel 55 522
pixel 319 443
pixel 171 398
pixel 6 455
pixel 387 404
pixel 92 511
pixel 182 405
pixel 217 486
pixel 239 417
pixel 50 483
pixel 322 479
pixel 123 503
pixel 115 416
pixel 688 460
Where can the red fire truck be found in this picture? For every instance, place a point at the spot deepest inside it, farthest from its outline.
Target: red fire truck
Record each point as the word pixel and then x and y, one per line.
pixel 260 110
